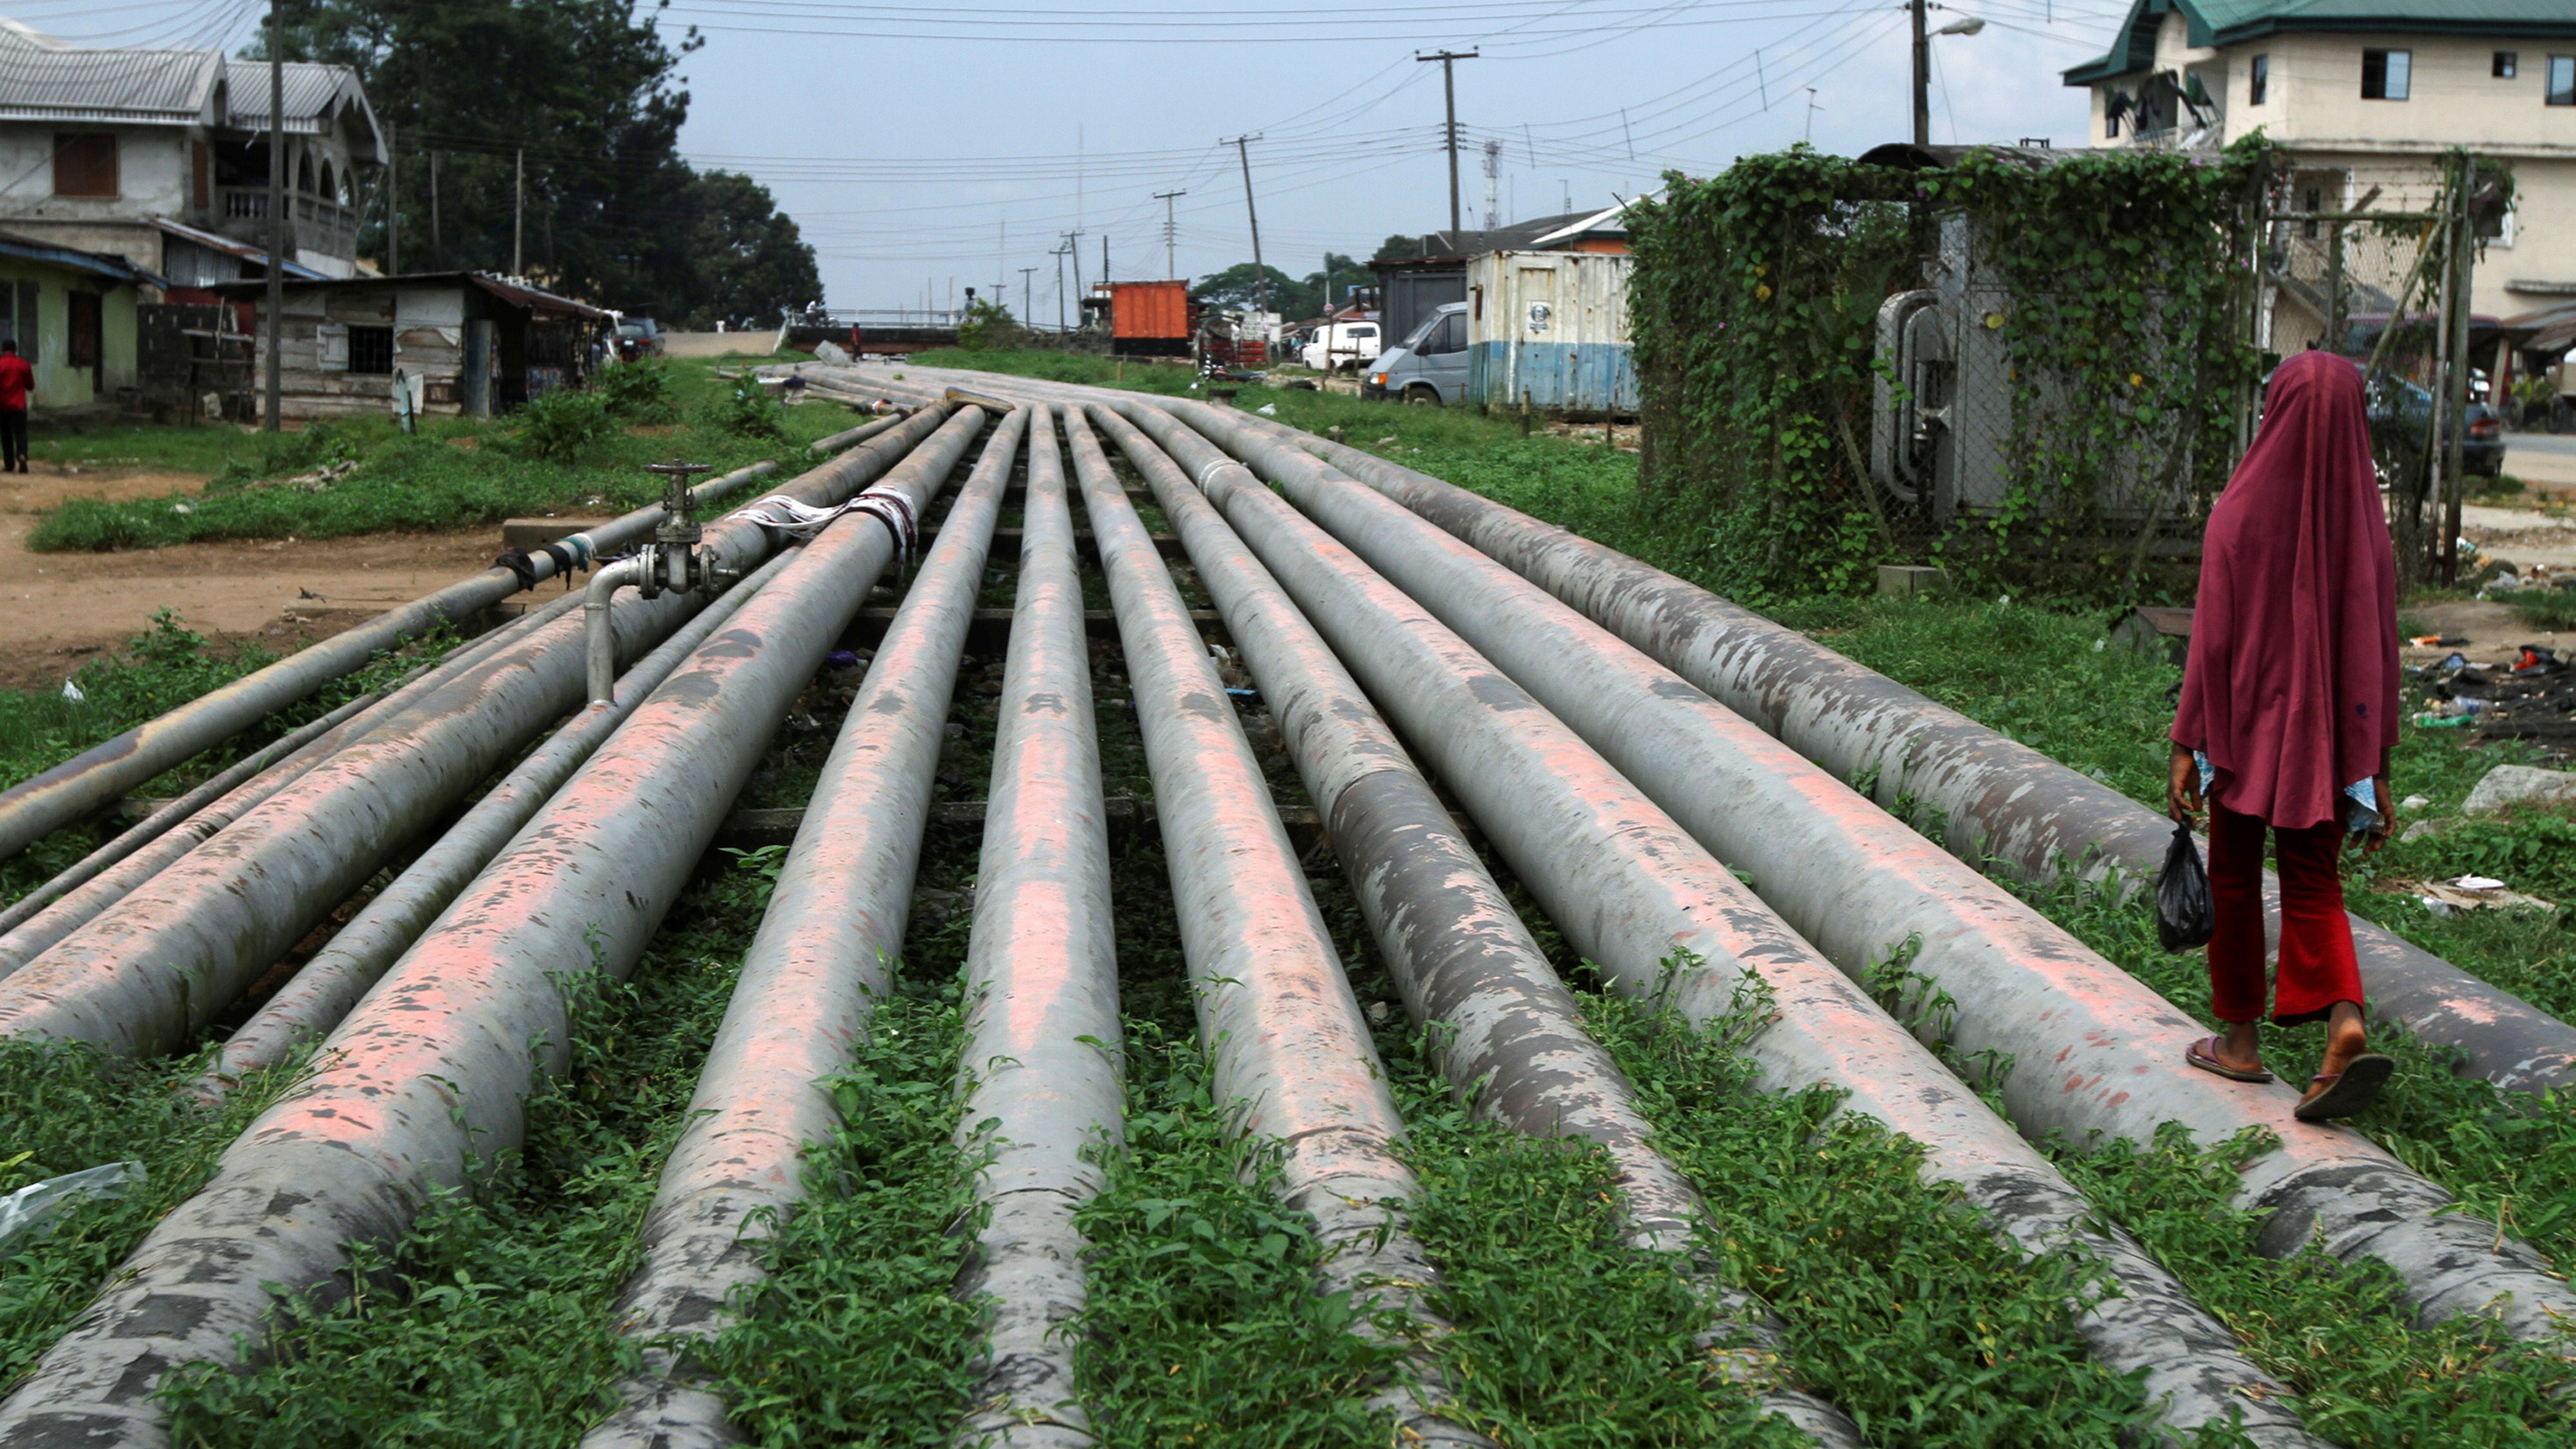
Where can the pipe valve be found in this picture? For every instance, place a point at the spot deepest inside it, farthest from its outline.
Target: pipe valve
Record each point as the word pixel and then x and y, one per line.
pixel 672 561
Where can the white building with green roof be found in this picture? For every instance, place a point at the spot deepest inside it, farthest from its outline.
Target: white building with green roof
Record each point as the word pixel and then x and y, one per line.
pixel 2364 92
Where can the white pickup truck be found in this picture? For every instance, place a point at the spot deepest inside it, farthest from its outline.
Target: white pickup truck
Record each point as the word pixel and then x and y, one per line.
pixel 1341 346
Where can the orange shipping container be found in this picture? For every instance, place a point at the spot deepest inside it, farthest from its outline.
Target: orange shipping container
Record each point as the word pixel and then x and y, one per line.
pixel 1149 309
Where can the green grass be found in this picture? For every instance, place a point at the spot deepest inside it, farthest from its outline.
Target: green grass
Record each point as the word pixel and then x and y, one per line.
pixel 491 1322
pixel 68 1108
pixel 453 473
pixel 2550 609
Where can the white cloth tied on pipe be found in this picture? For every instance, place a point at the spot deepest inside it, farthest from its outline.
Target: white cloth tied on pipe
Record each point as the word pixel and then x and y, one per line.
pixel 804 520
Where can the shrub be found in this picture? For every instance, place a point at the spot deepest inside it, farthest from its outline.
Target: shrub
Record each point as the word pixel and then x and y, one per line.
pixel 639 392
pixel 562 425
pixel 749 411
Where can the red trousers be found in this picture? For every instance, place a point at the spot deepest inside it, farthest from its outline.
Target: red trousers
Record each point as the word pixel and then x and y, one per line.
pixel 2317 965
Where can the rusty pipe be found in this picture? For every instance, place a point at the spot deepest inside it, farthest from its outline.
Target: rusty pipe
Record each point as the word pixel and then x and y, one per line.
pixel 1288 1050
pixel 826 950
pixel 859 434
pixel 324 988
pixel 433 1069
pixel 1041 1064
pixel 1668 922
pixel 155 968
pixel 42 930
pixel 2002 799
pixel 1862 885
pixel 100 775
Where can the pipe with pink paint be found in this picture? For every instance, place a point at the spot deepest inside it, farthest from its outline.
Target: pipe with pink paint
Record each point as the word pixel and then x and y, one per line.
pixel 2095 1051
pixel 78 907
pixel 1287 1047
pixel 323 989
pixel 827 950
pixel 2002 799
pixel 434 1068
pixel 155 968
pixel 1636 895
pixel 1041 1065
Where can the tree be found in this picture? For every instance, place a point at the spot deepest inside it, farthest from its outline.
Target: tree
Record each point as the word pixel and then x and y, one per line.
pixel 1398 249
pixel 1240 287
pixel 1333 284
pixel 753 266
pixel 588 92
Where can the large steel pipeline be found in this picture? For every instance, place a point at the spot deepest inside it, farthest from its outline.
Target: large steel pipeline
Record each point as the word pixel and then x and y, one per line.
pixel 172 813
pixel 826 951
pixel 1862 885
pixel 1513 1040
pixel 432 1071
pixel 2003 800
pixel 1042 1072
pixel 324 988
pixel 1668 922
pixel 1288 1050
pixel 97 777
pixel 39 932
pixel 154 969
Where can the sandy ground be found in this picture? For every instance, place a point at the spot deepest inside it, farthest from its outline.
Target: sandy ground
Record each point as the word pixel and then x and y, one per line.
pixel 57 609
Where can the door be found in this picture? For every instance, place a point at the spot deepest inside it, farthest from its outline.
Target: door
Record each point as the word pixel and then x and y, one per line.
pixel 478 367
pixel 1445 361
pixel 85 340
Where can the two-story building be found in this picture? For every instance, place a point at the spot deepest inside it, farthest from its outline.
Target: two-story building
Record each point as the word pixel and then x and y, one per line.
pixel 2363 92
pixel 161 157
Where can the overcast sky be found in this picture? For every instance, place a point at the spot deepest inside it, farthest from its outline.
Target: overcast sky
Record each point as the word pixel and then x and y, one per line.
pixel 925 146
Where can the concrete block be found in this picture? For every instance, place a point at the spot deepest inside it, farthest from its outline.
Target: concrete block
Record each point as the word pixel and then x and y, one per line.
pixel 2509 786
pixel 1904 581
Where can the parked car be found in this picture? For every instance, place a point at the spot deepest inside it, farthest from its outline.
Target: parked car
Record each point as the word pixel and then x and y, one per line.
pixel 1430 366
pixel 1341 346
pixel 2481 451
pixel 639 337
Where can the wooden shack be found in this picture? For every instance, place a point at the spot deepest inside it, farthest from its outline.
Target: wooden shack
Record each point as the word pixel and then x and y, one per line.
pixel 458 343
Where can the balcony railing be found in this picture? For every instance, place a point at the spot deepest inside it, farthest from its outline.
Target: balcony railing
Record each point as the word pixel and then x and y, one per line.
pixel 313 224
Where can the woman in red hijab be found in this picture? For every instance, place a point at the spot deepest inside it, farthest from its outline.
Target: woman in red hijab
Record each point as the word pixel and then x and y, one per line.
pixel 2289 711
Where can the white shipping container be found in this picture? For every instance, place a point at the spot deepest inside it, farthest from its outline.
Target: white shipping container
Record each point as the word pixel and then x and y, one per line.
pixel 1550 328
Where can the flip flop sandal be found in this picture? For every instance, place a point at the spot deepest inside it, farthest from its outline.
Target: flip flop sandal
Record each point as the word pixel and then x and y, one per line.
pixel 2347 1091
pixel 2204 1055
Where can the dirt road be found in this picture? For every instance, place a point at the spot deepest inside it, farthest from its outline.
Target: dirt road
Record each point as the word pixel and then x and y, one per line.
pixel 57 609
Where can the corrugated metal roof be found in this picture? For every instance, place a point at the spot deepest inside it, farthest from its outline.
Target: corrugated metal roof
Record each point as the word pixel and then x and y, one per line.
pixel 2224 22
pixel 27 248
pixel 230 247
pixel 42 79
pixel 312 91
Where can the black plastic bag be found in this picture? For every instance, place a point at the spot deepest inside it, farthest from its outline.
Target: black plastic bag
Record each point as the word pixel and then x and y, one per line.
pixel 2184 917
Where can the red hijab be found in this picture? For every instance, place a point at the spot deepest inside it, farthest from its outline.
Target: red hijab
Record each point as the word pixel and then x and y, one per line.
pixel 2291 686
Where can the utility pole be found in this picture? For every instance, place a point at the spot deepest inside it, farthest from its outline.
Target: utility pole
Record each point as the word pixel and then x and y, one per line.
pixel 1104 259
pixel 1024 294
pixel 1449 87
pixel 393 201
pixel 437 244
pixel 276 212
pixel 1260 279
pixel 519 211
pixel 1058 254
pixel 1922 74
pixel 1170 268
pixel 1073 249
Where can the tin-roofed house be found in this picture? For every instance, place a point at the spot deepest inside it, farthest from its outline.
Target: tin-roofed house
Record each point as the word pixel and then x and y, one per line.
pixel 72 314
pixel 427 342
pixel 161 157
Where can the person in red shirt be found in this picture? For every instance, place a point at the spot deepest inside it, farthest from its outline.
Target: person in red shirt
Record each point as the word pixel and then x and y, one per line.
pixel 17 383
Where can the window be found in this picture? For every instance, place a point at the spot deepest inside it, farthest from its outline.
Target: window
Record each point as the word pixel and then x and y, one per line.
pixel 2562 80
pixel 1452 336
pixel 371 349
pixel 2259 81
pixel 85 163
pixel 2507 64
pixel 2385 73
pixel 200 171
pixel 27 338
